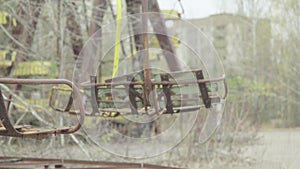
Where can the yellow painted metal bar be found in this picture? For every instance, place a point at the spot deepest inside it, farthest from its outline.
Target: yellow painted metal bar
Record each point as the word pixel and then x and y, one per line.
pixel 118 37
pixel 11 20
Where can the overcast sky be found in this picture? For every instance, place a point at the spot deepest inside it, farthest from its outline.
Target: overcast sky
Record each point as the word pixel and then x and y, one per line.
pixel 197 8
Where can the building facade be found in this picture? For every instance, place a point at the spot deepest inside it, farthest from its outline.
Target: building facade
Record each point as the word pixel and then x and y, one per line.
pixel 237 39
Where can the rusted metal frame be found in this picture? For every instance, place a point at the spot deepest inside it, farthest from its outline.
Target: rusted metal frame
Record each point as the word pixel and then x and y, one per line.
pixel 68 107
pixel 28 12
pixel 137 95
pixel 114 101
pixel 164 111
pixel 11 131
pixel 203 89
pixel 94 95
pixel 116 80
pixel 133 8
pixel 9 162
pixel 3 115
pixel 156 83
pixel 185 109
pixel 165 81
pixel 9 100
pixel 132 98
pixel 226 88
pixel 70 103
pixel 180 73
pixel 147 87
pixel 165 43
pixel 168 84
pixel 167 92
pixel 123 77
pixel 132 95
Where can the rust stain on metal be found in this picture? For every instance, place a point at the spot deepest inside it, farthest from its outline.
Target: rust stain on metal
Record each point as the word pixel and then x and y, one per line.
pixel 16 162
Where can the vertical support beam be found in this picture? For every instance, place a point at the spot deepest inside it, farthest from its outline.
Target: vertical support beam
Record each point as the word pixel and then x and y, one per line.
pixel 94 95
pixel 167 92
pixel 148 87
pixel 133 9
pixel 203 89
pixel 2 107
pixel 4 119
pixel 132 94
pixel 165 43
pixel 147 76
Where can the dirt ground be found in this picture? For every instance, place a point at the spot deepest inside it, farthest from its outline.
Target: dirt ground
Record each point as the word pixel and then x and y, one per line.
pixel 277 149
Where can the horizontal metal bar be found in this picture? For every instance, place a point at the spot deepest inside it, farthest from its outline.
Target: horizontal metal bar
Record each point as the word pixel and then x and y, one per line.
pixel 10 162
pixel 154 83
